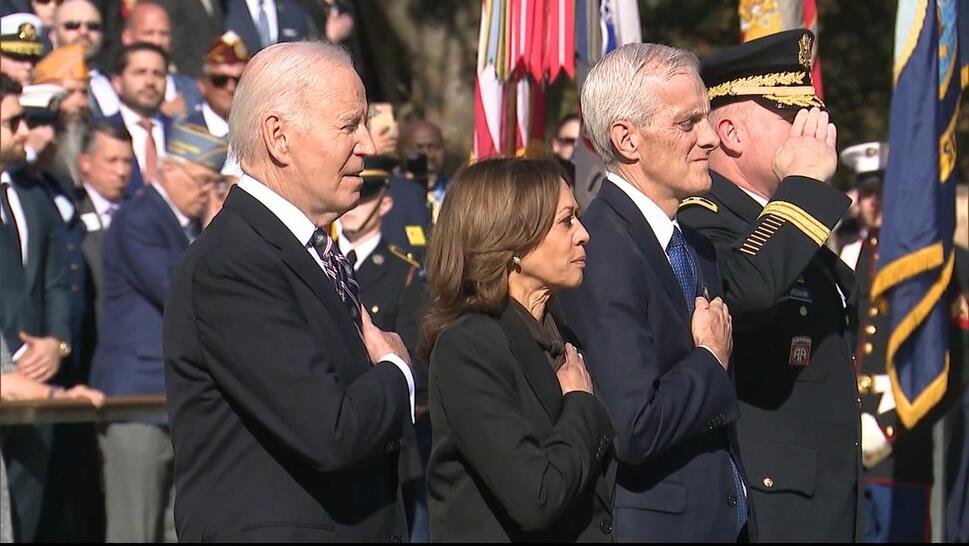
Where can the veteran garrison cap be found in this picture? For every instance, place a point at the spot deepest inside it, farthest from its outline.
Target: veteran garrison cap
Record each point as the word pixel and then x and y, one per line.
pixel 227 49
pixel 19 36
pixel 868 160
pixel 194 143
pixel 376 173
pixel 774 70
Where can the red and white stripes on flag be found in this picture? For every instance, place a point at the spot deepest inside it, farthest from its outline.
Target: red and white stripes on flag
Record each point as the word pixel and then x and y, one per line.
pixel 522 46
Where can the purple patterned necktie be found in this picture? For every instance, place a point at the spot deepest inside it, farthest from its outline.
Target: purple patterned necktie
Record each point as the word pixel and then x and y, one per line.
pixel 338 269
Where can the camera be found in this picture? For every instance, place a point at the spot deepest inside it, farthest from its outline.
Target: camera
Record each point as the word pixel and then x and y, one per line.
pixel 414 166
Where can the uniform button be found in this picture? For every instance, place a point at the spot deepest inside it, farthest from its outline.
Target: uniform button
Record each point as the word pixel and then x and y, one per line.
pixel 375 309
pixel 875 256
pixel 768 483
pixel 605 526
pixel 75 288
pixel 870 329
pixel 873 312
pixel 71 246
pixel 75 267
pixel 874 241
pixel 856 444
pixel 869 348
pixel 732 500
pixel 889 431
pixel 803 311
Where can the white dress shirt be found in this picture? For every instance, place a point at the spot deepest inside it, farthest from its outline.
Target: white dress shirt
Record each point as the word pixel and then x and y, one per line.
pixel 270 7
pixel 18 214
pixel 363 249
pixel 103 209
pixel 661 224
pixel 303 229
pixel 139 136
pixel 107 98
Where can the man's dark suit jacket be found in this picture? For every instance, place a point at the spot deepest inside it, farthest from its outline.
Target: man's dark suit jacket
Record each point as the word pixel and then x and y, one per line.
pixel 35 296
pixel 283 431
pixel 139 252
pixel 193 30
pixel 671 402
pixel 512 460
pixel 291 23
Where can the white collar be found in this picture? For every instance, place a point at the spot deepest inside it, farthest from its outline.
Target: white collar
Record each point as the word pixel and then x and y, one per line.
pixel 760 200
pixel 293 218
pixel 363 249
pixel 130 117
pixel 101 203
pixel 5 177
pixel 218 126
pixel 658 221
pixel 183 220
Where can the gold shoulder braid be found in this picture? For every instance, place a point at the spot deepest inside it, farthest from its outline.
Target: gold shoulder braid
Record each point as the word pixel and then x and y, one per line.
pixel 404 255
pixel 700 201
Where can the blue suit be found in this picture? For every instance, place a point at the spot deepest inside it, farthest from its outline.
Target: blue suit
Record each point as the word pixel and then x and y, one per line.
pixel 137 181
pixel 139 252
pixel 671 402
pixel 290 23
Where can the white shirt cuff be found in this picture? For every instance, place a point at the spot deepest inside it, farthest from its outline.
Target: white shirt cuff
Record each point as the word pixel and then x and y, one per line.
pixel 714 356
pixel 405 369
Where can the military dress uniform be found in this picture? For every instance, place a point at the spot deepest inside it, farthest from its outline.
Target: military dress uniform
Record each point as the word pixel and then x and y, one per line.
pixel 392 291
pixel 793 317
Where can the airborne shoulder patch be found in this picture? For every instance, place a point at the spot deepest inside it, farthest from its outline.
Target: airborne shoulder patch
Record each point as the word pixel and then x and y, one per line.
pixel 700 201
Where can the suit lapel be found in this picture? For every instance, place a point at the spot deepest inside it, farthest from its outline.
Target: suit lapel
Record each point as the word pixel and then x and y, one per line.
pixel 296 257
pixel 647 243
pixel 540 376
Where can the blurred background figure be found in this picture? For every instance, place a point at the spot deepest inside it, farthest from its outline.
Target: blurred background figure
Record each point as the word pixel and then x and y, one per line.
pixel 225 60
pixel 195 23
pixel 80 22
pixel 868 162
pixel 66 68
pixel 262 23
pixel 566 135
pixel 20 46
pixel 146 238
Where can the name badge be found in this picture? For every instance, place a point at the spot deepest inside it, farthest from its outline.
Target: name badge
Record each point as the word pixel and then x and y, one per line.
pixel 800 352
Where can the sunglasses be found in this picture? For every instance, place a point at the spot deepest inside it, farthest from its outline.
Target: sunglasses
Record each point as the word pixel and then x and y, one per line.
pixel 566 140
pixel 92 26
pixel 221 80
pixel 45 2
pixel 14 122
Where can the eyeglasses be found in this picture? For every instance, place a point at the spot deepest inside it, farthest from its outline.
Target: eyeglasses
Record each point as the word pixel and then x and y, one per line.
pixel 568 141
pixel 13 122
pixel 45 2
pixel 92 26
pixel 221 80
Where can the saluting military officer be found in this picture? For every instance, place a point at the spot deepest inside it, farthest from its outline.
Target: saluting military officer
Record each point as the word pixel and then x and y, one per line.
pixel 768 213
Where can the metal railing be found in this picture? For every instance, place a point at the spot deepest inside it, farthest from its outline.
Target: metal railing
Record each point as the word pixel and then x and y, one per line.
pixel 115 408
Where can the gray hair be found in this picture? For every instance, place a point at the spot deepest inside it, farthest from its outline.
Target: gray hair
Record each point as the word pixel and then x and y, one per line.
pixel 283 78
pixel 618 88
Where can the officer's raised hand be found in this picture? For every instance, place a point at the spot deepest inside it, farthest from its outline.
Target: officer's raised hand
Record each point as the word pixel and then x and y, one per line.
pixel 810 149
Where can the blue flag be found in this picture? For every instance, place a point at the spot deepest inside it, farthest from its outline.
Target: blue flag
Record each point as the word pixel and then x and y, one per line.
pixel 916 257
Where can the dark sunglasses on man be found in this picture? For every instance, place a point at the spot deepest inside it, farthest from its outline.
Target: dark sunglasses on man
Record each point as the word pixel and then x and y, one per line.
pixel 45 2
pixel 221 80
pixel 13 122
pixel 92 26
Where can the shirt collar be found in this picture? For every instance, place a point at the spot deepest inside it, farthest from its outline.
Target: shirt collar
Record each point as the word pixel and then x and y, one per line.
pixel 362 249
pixel 658 221
pixel 5 177
pixel 293 218
pixel 217 126
pixel 183 220
pixel 760 200
pixel 130 117
pixel 101 204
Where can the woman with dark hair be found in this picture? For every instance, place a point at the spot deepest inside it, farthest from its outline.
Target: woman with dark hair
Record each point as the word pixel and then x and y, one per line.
pixel 519 441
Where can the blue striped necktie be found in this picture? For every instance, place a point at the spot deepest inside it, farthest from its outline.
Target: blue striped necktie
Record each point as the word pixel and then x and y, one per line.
pixel 684 268
pixel 340 273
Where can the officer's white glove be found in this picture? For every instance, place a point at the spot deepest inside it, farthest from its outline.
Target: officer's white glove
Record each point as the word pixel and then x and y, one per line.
pixel 875 446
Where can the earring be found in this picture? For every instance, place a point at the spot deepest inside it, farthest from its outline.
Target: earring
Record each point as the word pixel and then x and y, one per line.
pixel 516 260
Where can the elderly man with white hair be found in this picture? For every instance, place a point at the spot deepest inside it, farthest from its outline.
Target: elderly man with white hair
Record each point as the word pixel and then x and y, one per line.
pixel 288 406
pixel 656 336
